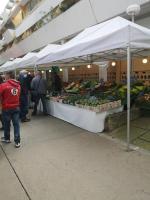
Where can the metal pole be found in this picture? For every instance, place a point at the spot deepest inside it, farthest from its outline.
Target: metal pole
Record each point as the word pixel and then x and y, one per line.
pixel 131 71
pixel 128 96
pixel 35 68
pixel 133 18
pixel 15 74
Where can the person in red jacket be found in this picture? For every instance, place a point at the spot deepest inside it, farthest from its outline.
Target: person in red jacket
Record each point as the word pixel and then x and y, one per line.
pixel 10 98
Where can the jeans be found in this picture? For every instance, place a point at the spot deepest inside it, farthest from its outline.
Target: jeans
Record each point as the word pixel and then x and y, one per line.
pixel 8 116
pixel 23 106
pixel 43 99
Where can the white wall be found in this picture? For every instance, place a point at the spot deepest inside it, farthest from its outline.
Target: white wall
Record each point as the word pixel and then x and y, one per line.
pixel 144 22
pixel 105 9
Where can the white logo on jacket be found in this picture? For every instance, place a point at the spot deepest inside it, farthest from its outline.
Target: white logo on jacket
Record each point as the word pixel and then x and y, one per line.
pixel 14 91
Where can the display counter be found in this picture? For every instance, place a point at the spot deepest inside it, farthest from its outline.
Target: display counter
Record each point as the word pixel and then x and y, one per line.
pixel 85 119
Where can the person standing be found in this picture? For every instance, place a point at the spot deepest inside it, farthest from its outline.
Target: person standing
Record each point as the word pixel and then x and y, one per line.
pixel 56 84
pixel 29 80
pixel 10 96
pixel 2 128
pixel 24 98
pixel 39 90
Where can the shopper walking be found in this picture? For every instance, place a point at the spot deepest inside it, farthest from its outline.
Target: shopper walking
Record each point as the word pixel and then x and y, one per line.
pixel 10 95
pixel 24 98
pixel 39 90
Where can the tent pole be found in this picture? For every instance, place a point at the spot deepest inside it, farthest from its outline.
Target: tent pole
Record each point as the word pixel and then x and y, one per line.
pixel 15 74
pixel 128 96
pixel 35 68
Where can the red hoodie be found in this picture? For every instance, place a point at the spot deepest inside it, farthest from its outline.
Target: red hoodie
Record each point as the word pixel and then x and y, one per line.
pixel 10 94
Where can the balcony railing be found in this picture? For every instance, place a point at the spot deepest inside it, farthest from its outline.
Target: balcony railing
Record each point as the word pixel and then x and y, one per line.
pixel 58 10
pixel 9 36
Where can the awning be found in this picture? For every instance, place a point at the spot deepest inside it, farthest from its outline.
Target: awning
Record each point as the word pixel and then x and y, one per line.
pixel 116 33
pixel 5 66
pixel 25 61
pixel 29 60
pixel 116 38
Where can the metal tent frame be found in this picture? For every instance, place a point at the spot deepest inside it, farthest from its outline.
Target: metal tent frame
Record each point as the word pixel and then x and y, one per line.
pixel 117 54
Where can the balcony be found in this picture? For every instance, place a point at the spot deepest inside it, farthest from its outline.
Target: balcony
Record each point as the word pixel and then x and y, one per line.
pixel 1 44
pixel 61 27
pixel 9 36
pixel 36 15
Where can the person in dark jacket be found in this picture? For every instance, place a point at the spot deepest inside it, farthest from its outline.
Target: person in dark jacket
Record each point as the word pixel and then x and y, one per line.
pixel 29 80
pixel 56 84
pixel 39 90
pixel 10 98
pixel 1 119
pixel 30 76
pixel 24 106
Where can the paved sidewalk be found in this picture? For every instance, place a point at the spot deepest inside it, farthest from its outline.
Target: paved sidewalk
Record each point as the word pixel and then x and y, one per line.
pixel 140 133
pixel 58 161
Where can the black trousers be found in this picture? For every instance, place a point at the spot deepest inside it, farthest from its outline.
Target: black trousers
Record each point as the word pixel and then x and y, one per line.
pixel 1 119
pixel 41 97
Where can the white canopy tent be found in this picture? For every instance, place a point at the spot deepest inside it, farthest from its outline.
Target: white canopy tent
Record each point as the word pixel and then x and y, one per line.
pixel 5 66
pixel 117 33
pixel 15 64
pixel 29 60
pixel 25 60
pixel 116 38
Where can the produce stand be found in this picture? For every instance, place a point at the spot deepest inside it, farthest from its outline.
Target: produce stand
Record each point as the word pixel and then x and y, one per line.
pixel 105 40
pixel 86 119
pixel 85 104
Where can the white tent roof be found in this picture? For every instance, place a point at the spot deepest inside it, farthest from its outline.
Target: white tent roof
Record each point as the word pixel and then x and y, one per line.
pixel 13 65
pixel 5 66
pixel 31 58
pixel 25 60
pixel 17 63
pixel 48 49
pixel 116 33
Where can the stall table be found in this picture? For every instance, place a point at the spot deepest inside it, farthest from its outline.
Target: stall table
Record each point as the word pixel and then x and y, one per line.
pixel 83 118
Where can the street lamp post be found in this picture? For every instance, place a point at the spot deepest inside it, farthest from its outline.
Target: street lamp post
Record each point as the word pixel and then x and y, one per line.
pixel 133 10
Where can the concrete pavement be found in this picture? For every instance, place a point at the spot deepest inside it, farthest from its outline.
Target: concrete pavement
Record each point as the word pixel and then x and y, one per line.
pixel 58 161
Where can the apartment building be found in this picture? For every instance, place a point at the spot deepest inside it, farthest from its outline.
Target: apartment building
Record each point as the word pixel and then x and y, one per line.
pixel 29 25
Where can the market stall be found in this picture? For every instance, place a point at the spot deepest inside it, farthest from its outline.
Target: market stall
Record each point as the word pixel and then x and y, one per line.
pixel 115 39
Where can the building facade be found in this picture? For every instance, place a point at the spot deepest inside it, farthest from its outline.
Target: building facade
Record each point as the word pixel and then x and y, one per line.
pixel 29 25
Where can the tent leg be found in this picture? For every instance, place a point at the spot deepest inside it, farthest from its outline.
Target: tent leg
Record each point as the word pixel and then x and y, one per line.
pixel 15 74
pixel 128 96
pixel 35 68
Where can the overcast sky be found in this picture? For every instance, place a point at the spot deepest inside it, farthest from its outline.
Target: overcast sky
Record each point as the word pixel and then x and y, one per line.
pixel 2 5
